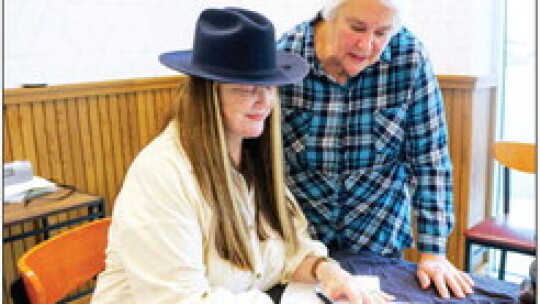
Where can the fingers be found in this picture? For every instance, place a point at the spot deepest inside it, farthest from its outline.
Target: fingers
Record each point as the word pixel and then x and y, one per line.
pixel 381 297
pixel 423 278
pixel 445 277
pixel 387 297
pixel 465 282
pixel 455 286
pixel 467 278
pixel 374 297
pixel 440 284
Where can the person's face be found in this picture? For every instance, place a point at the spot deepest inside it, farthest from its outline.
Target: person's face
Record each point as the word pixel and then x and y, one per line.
pixel 359 32
pixel 245 109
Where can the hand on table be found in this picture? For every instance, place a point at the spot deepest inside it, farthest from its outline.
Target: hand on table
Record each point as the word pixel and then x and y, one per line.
pixel 437 270
pixel 339 285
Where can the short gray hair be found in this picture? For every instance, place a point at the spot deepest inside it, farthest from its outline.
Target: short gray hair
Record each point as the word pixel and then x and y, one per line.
pixel 331 6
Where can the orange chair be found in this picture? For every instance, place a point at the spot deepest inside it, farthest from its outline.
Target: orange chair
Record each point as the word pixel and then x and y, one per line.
pixel 58 266
pixel 500 232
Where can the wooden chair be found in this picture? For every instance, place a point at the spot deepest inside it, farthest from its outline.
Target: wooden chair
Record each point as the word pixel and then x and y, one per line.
pixel 501 233
pixel 55 268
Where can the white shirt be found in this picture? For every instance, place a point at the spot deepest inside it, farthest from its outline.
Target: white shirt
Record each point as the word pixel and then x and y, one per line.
pixel 159 248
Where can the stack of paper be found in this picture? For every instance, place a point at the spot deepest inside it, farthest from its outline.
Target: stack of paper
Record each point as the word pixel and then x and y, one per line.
pixel 37 186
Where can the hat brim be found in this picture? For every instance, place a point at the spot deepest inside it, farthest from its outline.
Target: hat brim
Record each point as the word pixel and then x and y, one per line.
pixel 290 68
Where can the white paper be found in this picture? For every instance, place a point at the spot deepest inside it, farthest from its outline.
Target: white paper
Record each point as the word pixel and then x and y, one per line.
pixel 301 293
pixel 15 193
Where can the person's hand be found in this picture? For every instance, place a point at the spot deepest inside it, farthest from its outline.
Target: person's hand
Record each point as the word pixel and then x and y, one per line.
pixel 437 270
pixel 339 285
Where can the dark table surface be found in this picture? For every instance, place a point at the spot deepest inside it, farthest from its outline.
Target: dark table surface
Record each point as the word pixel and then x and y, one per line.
pixel 398 277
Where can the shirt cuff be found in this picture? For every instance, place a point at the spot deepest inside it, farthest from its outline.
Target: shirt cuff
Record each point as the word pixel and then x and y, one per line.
pixel 311 247
pixel 432 244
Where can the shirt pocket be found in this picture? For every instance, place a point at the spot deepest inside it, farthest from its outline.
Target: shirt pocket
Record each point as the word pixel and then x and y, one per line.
pixel 389 133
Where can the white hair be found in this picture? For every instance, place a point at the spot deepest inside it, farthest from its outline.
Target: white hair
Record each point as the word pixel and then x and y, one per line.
pixel 331 7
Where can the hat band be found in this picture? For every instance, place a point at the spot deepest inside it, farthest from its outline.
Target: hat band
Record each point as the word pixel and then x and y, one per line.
pixel 225 72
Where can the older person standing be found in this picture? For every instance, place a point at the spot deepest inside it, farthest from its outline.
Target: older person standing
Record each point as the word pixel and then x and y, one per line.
pixel 365 139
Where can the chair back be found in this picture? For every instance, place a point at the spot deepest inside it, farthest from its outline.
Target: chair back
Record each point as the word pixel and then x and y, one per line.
pixel 56 267
pixel 516 156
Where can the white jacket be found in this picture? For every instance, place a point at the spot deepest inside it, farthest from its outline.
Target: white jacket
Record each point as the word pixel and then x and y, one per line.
pixel 159 249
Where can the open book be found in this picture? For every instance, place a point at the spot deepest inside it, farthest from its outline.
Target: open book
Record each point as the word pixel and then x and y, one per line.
pixel 301 293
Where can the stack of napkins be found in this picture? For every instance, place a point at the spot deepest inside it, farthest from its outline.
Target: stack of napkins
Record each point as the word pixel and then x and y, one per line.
pixel 301 293
pixel 16 193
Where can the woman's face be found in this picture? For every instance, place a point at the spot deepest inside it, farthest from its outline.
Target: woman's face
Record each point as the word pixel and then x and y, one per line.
pixel 245 109
pixel 359 33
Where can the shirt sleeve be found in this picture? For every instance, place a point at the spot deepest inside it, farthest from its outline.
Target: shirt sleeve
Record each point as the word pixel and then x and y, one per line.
pixel 308 246
pixel 427 151
pixel 160 238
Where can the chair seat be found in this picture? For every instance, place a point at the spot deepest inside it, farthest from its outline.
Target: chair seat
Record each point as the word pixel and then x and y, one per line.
pixel 500 232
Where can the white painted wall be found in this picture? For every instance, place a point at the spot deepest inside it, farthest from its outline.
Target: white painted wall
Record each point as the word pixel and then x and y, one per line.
pixel 72 41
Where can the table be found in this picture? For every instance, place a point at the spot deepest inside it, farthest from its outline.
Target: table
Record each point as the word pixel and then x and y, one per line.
pixel 41 209
pixel 398 277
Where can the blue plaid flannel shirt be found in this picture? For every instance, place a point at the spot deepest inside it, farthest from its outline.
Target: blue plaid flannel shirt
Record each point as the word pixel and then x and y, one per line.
pixel 362 157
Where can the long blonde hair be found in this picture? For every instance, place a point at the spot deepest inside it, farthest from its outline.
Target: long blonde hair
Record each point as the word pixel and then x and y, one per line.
pixel 201 132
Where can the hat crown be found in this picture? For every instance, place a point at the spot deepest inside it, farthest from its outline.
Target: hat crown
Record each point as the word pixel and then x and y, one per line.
pixel 236 45
pixel 234 39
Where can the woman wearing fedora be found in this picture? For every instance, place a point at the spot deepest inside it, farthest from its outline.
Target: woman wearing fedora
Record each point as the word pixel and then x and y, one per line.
pixel 203 215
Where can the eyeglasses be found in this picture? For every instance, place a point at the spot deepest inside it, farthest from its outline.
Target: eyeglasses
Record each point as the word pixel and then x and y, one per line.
pixel 251 91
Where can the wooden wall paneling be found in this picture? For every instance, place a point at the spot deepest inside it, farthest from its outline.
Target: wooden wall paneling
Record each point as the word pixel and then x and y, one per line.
pixel 53 150
pixel 97 145
pixel 86 146
pixel 150 99
pixel 62 122
pixel 64 141
pixel 162 111
pixel 76 147
pixel 8 155
pixel 42 166
pixel 116 141
pixel 125 134
pixel 75 150
pixel 466 114
pixel 142 112
pixel 133 122
pixel 108 152
pixel 27 127
pixel 13 118
pixel 454 120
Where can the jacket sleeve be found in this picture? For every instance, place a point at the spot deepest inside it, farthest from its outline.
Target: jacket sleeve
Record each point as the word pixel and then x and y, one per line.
pixel 160 236
pixel 308 246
